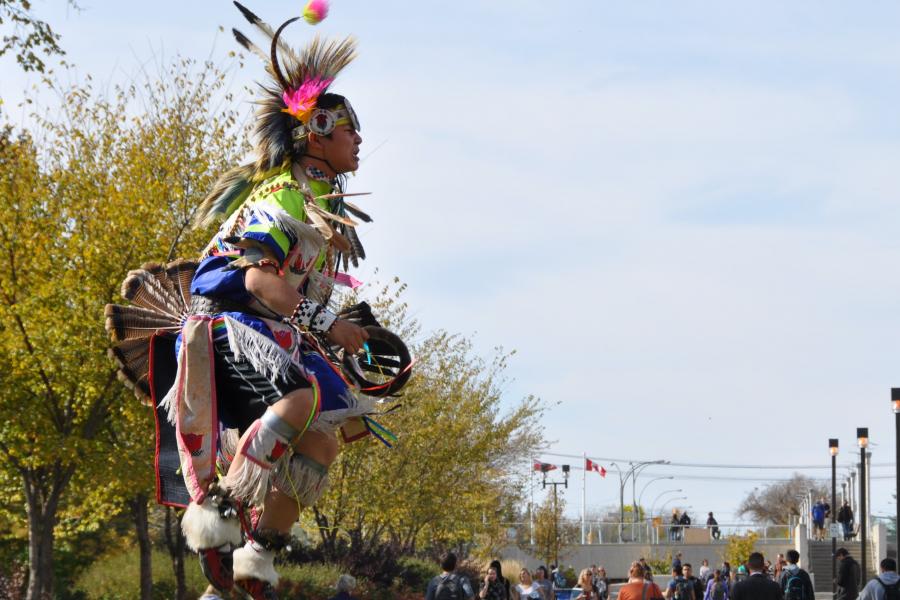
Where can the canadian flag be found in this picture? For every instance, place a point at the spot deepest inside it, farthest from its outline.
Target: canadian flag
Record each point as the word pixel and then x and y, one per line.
pixel 543 467
pixel 590 465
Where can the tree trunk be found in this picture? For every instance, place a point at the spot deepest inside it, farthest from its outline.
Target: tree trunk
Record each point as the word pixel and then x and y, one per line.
pixel 175 544
pixel 41 507
pixel 142 531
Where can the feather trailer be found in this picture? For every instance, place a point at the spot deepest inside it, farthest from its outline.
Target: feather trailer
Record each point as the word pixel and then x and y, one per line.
pixel 144 290
pixel 228 193
pixel 313 207
pixel 356 212
pixel 161 297
pixel 131 322
pixel 181 273
pixel 357 252
pixel 159 273
pixel 244 41
pixel 267 30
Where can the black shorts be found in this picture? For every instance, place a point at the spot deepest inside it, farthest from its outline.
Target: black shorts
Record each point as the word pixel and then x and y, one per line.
pixel 243 393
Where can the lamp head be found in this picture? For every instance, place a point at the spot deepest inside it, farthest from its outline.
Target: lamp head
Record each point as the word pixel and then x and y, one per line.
pixel 895 399
pixel 833 446
pixel 862 436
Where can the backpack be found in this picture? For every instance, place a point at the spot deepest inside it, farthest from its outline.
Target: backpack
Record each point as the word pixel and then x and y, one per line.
pixel 718 591
pixel 793 587
pixel 449 588
pixel 891 592
pixel 741 576
pixel 682 589
pixel 559 580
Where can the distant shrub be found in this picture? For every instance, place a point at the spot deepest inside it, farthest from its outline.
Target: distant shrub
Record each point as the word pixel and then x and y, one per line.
pixel 415 573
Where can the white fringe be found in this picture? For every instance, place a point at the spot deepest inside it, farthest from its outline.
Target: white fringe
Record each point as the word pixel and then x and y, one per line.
pixel 169 401
pixel 298 479
pixel 204 528
pixel 330 421
pixel 250 563
pixel 262 353
pixel 250 483
pixel 228 443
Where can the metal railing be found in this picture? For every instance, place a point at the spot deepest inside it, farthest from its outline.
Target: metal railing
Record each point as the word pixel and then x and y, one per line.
pixel 649 532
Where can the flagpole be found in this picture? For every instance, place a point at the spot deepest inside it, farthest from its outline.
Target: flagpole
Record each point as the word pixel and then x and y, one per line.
pixel 583 493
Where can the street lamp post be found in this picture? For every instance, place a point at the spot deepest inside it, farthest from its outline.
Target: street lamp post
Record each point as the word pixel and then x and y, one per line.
pixel 661 494
pixel 646 485
pixel 833 450
pixel 633 467
pixel 895 400
pixel 862 436
pixel 653 506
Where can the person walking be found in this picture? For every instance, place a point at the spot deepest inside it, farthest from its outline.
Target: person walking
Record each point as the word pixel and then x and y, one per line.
pixel 848 576
pixel 495 564
pixel 542 578
pixel 638 587
pixel 884 587
pixel 713 527
pixel 819 512
pixel 589 591
pixel 845 518
pixel 717 587
pixel 528 589
pixel 705 571
pixel 344 587
pixel 795 582
pixel 493 588
pixel 449 582
pixel 757 586
pixel 679 588
pixel 699 586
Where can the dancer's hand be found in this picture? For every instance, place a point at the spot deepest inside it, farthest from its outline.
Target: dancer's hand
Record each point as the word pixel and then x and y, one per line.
pixel 347 335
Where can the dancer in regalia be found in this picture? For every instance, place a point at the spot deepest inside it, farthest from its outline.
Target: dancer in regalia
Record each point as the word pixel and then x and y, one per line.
pixel 254 402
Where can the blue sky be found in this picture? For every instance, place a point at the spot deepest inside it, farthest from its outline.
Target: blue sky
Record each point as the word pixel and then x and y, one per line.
pixel 683 216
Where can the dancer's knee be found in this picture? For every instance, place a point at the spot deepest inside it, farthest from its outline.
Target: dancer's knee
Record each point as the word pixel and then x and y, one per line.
pixel 297 408
pixel 321 447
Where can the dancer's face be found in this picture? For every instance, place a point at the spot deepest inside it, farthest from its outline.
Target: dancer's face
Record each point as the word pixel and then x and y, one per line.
pixel 341 148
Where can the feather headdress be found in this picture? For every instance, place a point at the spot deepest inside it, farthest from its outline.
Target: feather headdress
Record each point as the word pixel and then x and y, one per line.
pixel 287 110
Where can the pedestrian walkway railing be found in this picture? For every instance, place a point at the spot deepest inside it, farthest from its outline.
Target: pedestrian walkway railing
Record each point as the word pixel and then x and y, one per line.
pixel 653 532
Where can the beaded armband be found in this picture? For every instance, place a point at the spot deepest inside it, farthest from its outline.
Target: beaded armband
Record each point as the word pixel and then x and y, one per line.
pixel 313 316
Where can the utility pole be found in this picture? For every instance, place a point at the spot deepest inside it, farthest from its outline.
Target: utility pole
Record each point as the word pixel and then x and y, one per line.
pixel 555 484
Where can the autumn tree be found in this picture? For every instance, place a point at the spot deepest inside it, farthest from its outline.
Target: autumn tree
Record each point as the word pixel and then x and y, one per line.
pixel 778 501
pixel 551 529
pixel 26 35
pixel 452 475
pixel 99 186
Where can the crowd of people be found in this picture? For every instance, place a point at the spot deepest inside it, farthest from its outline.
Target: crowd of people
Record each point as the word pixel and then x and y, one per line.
pixel 756 579
pixel 539 584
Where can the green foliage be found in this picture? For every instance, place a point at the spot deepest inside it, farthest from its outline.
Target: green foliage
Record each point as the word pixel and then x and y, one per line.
pixel 116 576
pixel 100 185
pixel 451 477
pixel 739 548
pixel 415 573
pixel 29 37
pixel 551 531
pixel 661 564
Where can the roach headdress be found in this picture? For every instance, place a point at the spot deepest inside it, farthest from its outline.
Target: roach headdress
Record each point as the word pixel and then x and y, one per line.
pixel 294 103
